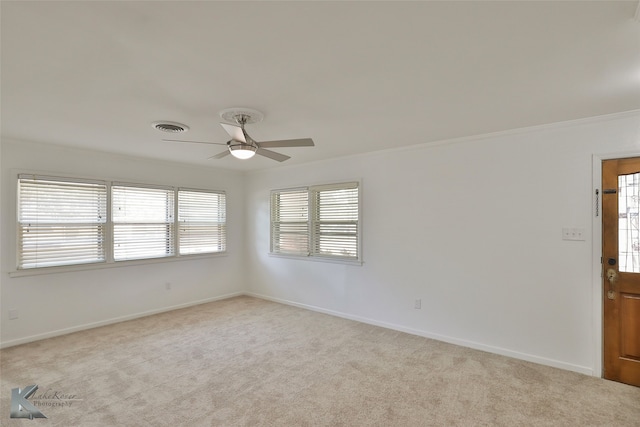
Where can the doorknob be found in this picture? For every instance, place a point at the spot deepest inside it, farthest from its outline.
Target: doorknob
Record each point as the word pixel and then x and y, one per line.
pixel 612 276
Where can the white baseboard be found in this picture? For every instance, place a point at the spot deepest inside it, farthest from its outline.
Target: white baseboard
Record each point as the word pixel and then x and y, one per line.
pixel 65 331
pixel 392 326
pixel 451 340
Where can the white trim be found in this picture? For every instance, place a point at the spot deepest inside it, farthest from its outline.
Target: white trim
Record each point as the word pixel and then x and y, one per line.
pixel 111 179
pixel 66 331
pixel 511 132
pixel 129 157
pixel 149 186
pixel 637 15
pixel 426 334
pixel 444 338
pixel 596 270
pixel 319 258
pixel 112 264
pixel 459 140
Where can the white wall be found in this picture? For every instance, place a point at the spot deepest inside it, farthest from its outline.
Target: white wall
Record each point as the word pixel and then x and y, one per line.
pixel 2 275
pixel 473 229
pixel 62 302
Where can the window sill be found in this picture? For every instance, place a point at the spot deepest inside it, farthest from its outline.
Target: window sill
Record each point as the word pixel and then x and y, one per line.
pixel 354 262
pixel 112 264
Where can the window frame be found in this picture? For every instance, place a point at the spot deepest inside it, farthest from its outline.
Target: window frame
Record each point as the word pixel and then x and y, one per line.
pixel 306 224
pixel 312 236
pixel 222 200
pixel 169 233
pixel 99 201
pixel 109 261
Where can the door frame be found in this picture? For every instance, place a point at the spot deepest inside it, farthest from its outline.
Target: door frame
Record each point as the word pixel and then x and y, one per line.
pixel 596 250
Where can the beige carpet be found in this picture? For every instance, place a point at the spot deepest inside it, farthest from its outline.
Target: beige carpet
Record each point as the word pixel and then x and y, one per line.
pixel 250 362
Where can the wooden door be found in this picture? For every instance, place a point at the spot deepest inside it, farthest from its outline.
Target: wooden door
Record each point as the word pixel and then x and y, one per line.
pixel 621 269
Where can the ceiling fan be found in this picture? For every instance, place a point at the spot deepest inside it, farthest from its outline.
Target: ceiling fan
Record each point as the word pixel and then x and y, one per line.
pixel 241 145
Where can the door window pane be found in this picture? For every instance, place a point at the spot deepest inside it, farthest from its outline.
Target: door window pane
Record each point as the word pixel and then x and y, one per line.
pixel 628 231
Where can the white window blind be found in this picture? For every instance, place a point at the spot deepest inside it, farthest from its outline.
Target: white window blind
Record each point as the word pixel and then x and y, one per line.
pixel 143 222
pixel 60 222
pixel 202 222
pixel 290 222
pixel 335 220
pixel 318 221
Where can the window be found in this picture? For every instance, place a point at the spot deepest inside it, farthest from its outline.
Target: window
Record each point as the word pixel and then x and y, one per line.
pixel 335 221
pixel 290 222
pixel 142 222
pixel 318 221
pixel 202 222
pixel 65 221
pixel 60 222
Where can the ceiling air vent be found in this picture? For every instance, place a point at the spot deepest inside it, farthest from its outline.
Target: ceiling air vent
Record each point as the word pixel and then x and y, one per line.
pixel 170 127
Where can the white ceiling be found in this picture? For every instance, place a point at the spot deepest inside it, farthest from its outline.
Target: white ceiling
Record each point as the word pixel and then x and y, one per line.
pixel 354 76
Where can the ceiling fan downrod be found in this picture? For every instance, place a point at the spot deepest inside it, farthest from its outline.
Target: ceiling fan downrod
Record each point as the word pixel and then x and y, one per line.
pixel 241 119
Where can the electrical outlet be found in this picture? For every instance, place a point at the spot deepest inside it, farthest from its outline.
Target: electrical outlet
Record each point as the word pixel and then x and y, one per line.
pixel 418 304
pixel 13 314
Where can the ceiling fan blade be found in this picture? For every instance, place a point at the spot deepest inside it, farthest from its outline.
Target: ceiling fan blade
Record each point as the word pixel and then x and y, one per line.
pixel 236 132
pixel 220 155
pixel 272 155
pixel 304 142
pixel 195 142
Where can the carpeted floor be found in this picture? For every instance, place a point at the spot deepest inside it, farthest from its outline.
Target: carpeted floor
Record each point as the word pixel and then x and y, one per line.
pixel 249 362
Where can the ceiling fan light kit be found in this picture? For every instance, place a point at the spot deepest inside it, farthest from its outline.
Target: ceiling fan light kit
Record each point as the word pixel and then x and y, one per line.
pixel 241 145
pixel 242 151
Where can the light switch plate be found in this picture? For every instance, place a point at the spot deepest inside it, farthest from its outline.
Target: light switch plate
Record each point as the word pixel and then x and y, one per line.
pixel 573 233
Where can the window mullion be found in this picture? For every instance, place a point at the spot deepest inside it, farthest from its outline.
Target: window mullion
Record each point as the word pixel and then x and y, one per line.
pixel 313 220
pixel 176 224
pixel 109 227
